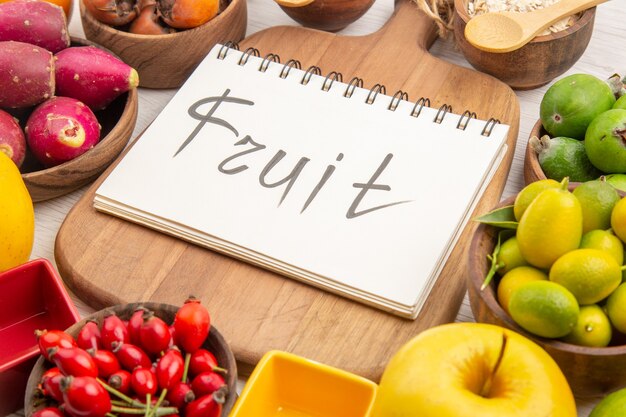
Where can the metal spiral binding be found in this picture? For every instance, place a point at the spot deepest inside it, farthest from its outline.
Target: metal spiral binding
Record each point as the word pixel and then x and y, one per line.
pixel 225 48
pixel 465 119
pixel 267 60
pixel 441 113
pixel 378 88
pixel 292 63
pixel 330 79
pixel 246 54
pixel 354 83
pixel 396 99
pixel 488 128
pixel 313 69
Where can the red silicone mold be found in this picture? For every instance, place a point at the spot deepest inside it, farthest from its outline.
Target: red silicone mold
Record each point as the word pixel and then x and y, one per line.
pixel 32 296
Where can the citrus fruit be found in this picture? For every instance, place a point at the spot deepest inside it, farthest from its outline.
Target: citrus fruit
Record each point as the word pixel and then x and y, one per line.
pixel 605 241
pixel 616 308
pixel 592 328
pixel 513 279
pixel 564 157
pixel 528 194
pixel 544 308
pixel 613 405
pixel 618 219
pixel 510 256
pixel 620 103
pixel 572 103
pixel 617 180
pixel 550 227
pixel 597 199
pixel 605 141
pixel 590 274
pixel 17 225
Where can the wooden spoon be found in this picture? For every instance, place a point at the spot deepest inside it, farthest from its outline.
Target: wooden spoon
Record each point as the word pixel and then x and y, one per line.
pixel 508 31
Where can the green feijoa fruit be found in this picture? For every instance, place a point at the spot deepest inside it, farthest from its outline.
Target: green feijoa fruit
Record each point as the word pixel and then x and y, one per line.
pixel 617 180
pixel 620 103
pixel 572 103
pixel 605 141
pixel 564 157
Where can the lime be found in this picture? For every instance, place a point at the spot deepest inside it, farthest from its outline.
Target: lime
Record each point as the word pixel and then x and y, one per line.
pixel 620 103
pixel 597 199
pixel 510 256
pixel 618 219
pixel 605 241
pixel 564 157
pixel 528 194
pixel 592 328
pixel 590 274
pixel 613 405
pixel 514 279
pixel 550 227
pixel 617 180
pixel 605 140
pixel 616 308
pixel 544 308
pixel 572 103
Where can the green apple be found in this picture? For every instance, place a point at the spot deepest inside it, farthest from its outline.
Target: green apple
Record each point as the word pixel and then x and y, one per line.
pixel 605 141
pixel 472 369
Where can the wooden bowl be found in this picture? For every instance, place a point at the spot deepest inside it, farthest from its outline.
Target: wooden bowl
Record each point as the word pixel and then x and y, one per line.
pixel 590 371
pixel 534 64
pixel 532 169
pixel 329 15
pixel 165 61
pixel 117 121
pixel 215 343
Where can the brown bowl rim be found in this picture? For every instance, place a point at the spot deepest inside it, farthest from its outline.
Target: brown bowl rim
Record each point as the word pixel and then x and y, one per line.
pixel 585 18
pixel 113 31
pixel 129 112
pixel 232 373
pixel 531 161
pixel 491 303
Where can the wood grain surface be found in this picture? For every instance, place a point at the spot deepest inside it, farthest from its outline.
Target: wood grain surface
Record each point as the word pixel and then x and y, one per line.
pixel 105 260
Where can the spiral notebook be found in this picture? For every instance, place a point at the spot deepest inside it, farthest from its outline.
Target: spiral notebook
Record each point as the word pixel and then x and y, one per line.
pixel 344 188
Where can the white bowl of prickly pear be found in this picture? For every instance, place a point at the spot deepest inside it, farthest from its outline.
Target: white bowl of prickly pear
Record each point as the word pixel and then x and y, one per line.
pixel 117 122
pixel 140 353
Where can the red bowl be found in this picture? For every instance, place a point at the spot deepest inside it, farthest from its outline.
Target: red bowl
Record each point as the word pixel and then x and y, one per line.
pixel 32 296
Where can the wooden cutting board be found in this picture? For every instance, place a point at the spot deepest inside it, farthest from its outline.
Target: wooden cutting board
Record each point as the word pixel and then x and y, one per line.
pixel 108 261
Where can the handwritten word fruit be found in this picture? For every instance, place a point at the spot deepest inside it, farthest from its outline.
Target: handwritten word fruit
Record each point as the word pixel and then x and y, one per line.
pixel 550 227
pixel 571 103
pixel 60 129
pixel 483 370
pixel 92 76
pixel 562 157
pixel 605 141
pixel 26 75
pixel 34 22
pixel 17 228
pixel 12 140
pixel 130 379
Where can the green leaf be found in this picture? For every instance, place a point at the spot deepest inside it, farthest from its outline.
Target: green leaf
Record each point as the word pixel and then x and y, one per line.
pixel 493 258
pixel 502 217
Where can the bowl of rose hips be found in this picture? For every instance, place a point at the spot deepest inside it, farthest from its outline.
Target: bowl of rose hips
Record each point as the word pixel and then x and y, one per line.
pixel 164 40
pixel 145 359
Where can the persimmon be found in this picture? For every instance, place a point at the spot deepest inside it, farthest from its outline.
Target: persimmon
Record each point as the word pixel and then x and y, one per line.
pixel 65 4
pixel 147 23
pixel 112 12
pixel 186 14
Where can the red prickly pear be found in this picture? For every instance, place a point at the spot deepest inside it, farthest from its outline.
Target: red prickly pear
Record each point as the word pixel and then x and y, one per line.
pixel 93 76
pixel 26 75
pixel 36 22
pixel 61 129
pixel 12 141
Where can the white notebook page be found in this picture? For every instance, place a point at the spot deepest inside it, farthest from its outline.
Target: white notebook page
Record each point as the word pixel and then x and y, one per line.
pixel 346 195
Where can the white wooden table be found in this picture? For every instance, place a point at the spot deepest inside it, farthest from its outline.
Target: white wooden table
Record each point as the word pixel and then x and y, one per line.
pixel 604 56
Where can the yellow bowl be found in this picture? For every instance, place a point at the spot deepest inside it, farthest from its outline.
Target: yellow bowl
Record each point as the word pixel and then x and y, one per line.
pixel 289 385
